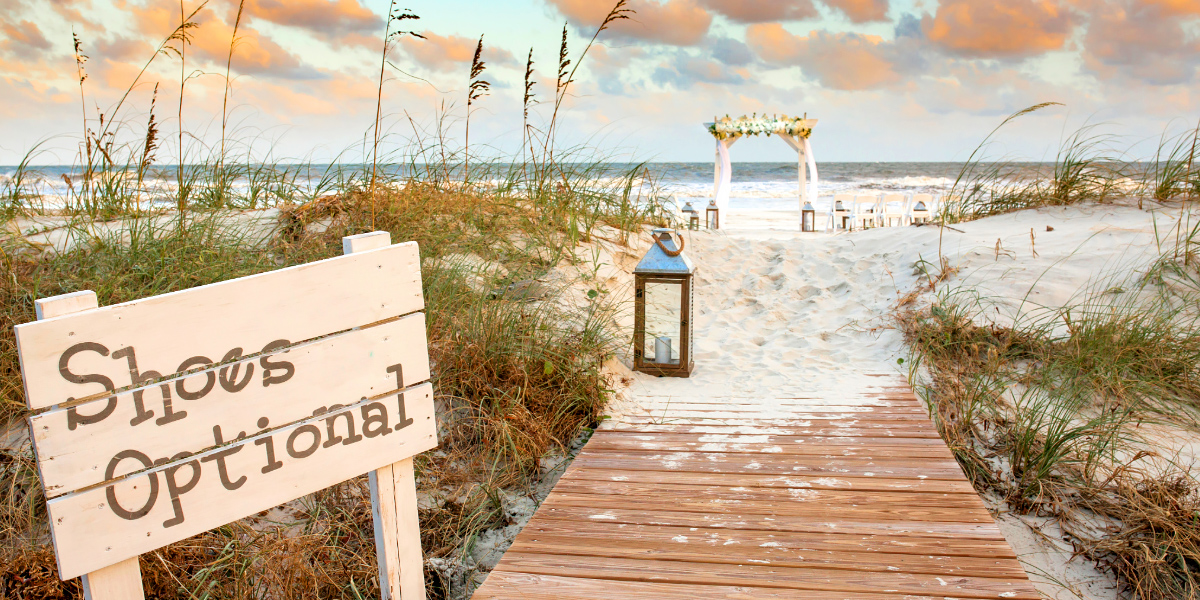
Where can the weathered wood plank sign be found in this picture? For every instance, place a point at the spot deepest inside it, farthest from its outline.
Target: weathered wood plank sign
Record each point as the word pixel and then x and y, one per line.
pixel 161 418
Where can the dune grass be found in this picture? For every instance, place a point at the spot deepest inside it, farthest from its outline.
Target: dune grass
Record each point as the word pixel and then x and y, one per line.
pixel 517 378
pixel 1089 166
pixel 1054 409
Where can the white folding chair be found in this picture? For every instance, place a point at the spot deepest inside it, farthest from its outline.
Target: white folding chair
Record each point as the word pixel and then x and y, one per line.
pixel 865 208
pixel 842 211
pixel 895 208
pixel 922 208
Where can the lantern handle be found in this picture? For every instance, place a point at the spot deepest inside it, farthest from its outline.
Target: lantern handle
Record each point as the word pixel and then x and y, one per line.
pixel 664 248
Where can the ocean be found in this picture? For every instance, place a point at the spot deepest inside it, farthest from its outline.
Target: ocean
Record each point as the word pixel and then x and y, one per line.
pixel 775 186
pixel 755 185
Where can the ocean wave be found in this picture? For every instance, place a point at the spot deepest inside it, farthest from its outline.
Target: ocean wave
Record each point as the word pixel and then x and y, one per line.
pixel 780 189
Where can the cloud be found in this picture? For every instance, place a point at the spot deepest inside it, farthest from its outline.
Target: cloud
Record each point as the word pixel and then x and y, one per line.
pixel 1008 29
pixel 1144 41
pixel 686 71
pixel 122 48
pixel 448 52
pixel 731 52
pixel 22 39
pixel 254 53
pixel 673 22
pixel 1174 7
pixel 861 11
pixel 844 61
pixel 762 11
pixel 327 18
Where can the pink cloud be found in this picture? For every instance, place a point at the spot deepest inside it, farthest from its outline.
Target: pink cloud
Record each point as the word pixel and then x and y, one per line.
pixel 674 22
pixel 449 52
pixel 1009 29
pixel 22 39
pixel 861 11
pixel 761 11
pixel 329 18
pixel 844 61
pixel 1144 41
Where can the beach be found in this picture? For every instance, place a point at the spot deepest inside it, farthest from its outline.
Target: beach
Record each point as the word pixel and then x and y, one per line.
pixel 781 313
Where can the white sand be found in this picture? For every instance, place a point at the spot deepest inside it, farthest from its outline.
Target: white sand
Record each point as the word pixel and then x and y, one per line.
pixel 780 313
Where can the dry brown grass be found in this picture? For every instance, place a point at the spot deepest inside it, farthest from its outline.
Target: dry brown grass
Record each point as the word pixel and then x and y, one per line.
pixel 1047 420
pixel 518 380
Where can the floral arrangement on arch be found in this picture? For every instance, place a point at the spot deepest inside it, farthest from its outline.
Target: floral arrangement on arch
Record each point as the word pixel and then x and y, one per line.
pixel 727 127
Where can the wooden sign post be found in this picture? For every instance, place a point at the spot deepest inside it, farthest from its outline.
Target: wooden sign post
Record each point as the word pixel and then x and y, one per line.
pixel 161 418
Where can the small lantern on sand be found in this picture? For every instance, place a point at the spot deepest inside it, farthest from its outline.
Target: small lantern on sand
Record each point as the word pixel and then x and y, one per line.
pixel 662 313
pixel 712 215
pixel 692 215
pixel 808 218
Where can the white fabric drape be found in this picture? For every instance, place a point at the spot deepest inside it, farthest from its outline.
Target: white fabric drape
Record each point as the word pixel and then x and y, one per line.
pixel 724 175
pixel 812 169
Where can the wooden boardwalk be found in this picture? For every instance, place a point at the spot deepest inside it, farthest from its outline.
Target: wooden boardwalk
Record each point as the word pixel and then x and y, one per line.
pixel 847 494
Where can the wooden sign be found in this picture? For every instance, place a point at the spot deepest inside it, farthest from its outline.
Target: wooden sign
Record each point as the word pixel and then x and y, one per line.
pixel 164 417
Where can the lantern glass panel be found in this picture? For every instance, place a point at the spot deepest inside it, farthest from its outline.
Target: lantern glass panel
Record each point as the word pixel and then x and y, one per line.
pixel 664 316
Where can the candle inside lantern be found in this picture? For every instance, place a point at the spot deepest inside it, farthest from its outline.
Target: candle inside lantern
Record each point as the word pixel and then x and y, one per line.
pixel 662 350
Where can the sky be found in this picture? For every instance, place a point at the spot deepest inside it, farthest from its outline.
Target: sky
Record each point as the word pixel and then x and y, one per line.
pixel 888 80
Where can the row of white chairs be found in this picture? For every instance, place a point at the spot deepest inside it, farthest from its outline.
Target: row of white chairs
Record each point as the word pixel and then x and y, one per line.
pixel 849 212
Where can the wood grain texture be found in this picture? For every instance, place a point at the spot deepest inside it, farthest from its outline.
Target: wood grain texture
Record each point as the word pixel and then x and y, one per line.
pixel 770 576
pixel 393 489
pixel 528 586
pixel 749 480
pixel 264 471
pixel 337 370
pixel 818 496
pixel 122 581
pixel 397 531
pixel 293 304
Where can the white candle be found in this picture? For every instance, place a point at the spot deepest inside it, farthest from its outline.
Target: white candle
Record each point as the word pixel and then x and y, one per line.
pixel 662 350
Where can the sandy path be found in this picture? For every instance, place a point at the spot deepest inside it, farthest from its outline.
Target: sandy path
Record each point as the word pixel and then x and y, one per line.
pixel 781 313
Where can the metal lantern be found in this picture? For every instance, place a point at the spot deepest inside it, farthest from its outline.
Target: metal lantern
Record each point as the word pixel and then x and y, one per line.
pixel 692 215
pixel 662 312
pixel 712 215
pixel 808 218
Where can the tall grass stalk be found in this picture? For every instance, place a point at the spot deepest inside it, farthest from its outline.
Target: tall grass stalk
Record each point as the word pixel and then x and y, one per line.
pixel 81 75
pixel 476 89
pixel 233 39
pixel 389 39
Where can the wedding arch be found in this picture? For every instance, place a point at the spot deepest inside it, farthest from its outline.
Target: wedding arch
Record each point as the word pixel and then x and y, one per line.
pixel 795 131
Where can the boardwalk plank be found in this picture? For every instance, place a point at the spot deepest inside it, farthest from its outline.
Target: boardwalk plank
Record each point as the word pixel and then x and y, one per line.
pixel 528 586
pixel 829 511
pixel 783 496
pixel 815 496
pixel 813 542
pixel 851 582
pixel 789 445
pixel 979 531
pixel 723 549
pixel 705 462
pixel 815 482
